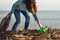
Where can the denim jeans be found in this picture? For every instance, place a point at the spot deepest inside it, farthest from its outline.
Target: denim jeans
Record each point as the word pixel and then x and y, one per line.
pixel 17 16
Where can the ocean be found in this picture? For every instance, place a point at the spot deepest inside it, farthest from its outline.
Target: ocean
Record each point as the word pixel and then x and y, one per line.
pixel 50 18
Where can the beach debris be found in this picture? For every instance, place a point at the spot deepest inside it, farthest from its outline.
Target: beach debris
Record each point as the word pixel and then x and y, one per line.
pixel 49 34
pixel 5 22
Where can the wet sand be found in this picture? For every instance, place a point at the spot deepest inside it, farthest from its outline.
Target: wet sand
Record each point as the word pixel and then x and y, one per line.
pixel 50 34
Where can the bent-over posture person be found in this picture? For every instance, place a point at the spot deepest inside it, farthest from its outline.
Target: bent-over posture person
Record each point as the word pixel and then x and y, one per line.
pixel 19 6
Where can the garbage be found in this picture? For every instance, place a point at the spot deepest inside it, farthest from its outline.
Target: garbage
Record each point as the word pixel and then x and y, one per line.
pixel 49 34
pixel 5 22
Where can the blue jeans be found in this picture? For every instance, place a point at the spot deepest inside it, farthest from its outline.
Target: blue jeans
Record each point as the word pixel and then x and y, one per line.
pixel 17 16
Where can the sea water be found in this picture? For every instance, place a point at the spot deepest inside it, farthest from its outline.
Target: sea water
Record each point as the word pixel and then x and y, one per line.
pixel 50 18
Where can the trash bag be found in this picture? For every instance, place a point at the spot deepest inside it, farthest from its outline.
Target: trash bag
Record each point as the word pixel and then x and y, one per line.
pixel 5 22
pixel 31 6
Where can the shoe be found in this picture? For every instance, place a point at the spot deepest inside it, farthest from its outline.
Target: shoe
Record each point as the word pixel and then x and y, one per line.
pixel 42 29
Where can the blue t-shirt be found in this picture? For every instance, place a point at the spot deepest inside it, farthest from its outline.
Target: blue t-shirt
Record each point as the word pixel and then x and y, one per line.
pixel 19 5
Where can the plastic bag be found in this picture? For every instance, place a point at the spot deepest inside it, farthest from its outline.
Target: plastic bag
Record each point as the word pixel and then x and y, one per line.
pixel 5 22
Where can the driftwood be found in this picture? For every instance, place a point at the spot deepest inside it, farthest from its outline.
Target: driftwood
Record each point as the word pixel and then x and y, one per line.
pixel 5 23
pixel 31 6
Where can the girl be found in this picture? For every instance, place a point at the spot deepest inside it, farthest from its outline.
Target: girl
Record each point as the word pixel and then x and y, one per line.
pixel 19 6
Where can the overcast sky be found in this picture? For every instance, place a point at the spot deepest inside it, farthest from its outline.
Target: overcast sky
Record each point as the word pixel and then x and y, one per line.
pixel 41 4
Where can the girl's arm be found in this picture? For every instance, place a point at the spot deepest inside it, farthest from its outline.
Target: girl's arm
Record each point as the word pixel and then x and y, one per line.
pixel 36 19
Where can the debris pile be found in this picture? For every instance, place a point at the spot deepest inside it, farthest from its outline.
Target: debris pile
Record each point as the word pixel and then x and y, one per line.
pixel 50 34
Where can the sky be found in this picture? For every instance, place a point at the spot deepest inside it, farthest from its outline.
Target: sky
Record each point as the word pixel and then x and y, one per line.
pixel 41 4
